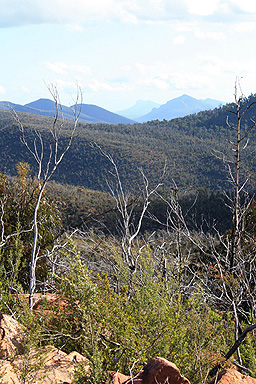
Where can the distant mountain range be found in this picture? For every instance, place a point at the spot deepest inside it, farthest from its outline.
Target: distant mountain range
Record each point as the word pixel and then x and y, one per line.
pixel 89 113
pixel 141 108
pixel 142 111
pixel 179 107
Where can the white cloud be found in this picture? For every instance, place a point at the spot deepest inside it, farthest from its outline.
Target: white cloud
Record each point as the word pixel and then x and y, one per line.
pixel 126 16
pixel 159 69
pixel 202 7
pixel 2 90
pixel 75 13
pixel 57 67
pixel 75 27
pixel 63 69
pixel 248 6
pixel 184 27
pixel 179 40
pixel 25 89
pixel 210 35
pixel 189 80
pixel 98 85
pixel 80 69
pixel 17 12
pixel 244 27
pixel 156 83
pixel 215 66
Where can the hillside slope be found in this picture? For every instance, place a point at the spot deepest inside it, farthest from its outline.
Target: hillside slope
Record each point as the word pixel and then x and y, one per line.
pixel 189 146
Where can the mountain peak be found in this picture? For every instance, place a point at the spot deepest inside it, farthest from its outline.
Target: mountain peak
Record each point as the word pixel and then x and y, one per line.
pixel 89 113
pixel 42 104
pixel 141 107
pixel 179 107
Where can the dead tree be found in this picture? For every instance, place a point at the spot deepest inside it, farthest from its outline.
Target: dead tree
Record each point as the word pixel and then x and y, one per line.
pixel 242 106
pixel 47 163
pixel 227 265
pixel 126 204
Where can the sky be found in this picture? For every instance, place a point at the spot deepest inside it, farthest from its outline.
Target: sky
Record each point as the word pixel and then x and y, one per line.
pixel 121 51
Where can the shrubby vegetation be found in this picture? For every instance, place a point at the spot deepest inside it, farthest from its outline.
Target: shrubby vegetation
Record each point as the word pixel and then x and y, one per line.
pixel 120 318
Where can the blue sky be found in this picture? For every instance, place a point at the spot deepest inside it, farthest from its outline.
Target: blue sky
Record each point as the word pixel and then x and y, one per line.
pixel 120 51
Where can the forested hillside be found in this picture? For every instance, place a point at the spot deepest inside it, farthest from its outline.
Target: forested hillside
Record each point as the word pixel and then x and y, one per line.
pixel 193 147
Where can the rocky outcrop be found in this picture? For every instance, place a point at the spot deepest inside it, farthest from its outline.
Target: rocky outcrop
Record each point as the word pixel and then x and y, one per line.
pixel 50 365
pixel 232 376
pixel 10 337
pixel 157 371
pixel 162 371
pixel 47 365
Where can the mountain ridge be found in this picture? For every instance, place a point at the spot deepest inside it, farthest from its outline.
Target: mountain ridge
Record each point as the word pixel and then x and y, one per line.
pixel 140 108
pixel 47 107
pixel 178 107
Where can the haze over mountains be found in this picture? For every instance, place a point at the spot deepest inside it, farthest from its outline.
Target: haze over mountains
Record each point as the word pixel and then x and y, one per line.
pixel 141 107
pixel 142 111
pixel 178 107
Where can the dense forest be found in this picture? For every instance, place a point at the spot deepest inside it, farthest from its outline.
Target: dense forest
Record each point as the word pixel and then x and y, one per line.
pixel 145 233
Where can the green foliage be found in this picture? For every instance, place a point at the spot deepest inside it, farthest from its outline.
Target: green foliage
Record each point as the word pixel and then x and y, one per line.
pixel 18 197
pixel 148 317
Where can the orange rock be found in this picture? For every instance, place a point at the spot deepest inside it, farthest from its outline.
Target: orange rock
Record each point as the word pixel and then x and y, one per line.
pixel 45 302
pixel 117 377
pixel 45 366
pixel 160 371
pixel 7 373
pixel 232 376
pixel 10 337
pixel 157 371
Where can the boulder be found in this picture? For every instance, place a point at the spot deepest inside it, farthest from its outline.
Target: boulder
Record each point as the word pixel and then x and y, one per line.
pixel 117 377
pixel 232 376
pixel 47 365
pixel 157 371
pixel 10 337
pixel 160 371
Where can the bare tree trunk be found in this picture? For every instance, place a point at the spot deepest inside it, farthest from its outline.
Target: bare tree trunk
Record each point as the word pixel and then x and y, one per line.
pixel 46 168
pixel 35 250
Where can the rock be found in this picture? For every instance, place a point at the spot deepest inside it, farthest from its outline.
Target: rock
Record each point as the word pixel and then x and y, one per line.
pixel 7 373
pixel 45 303
pixel 45 366
pixel 117 377
pixel 157 371
pixel 160 371
pixel 10 337
pixel 232 376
